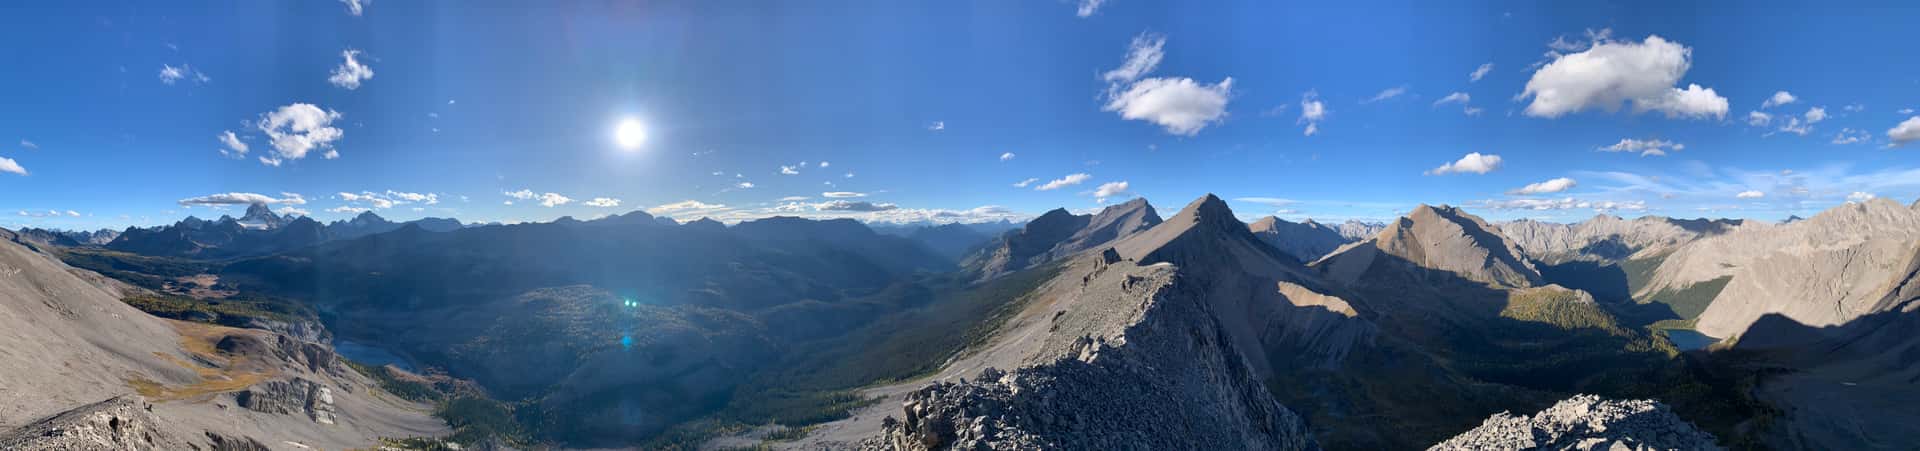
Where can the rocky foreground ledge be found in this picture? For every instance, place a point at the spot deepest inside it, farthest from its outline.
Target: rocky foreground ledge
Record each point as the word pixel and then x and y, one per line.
pixel 1586 422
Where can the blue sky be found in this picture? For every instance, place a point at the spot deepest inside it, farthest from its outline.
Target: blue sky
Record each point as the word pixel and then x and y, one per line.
pixel 114 113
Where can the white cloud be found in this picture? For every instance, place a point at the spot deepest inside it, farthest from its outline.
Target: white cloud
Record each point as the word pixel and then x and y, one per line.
pixel 849 205
pixel 789 170
pixel 686 207
pixel 1312 111
pixel 1550 186
pixel 7 165
pixel 1268 201
pixel 553 200
pixel 1758 119
pixel 1859 196
pixel 546 199
pixel 937 126
pixel 351 72
pixel 1387 94
pixel 1087 7
pixel 29 145
pixel 294 211
pixel 744 185
pixel 603 202
pixel 1110 189
pixel 244 199
pixel 73 213
pixel 235 147
pixel 370 199
pixel 1177 104
pixel 1908 131
pixel 1479 73
pixel 1069 180
pixel 1458 97
pixel 794 198
pixel 1473 162
pixel 405 197
pixel 1750 194
pixel 1850 136
pixel 1609 74
pixel 1567 203
pixel 1024 183
pixel 1649 147
pixel 1905 111
pixel 1143 55
pixel 295 129
pixel 357 210
pixel 170 74
pixel 1798 126
pixel 355 7
pixel 1854 108
pixel 841 194
pixel 824 164
pixel 1006 156
pixel 1778 98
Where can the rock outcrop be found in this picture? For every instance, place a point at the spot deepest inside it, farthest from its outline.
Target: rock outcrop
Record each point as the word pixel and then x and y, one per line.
pixel 1586 422
pixel 292 396
pixel 121 423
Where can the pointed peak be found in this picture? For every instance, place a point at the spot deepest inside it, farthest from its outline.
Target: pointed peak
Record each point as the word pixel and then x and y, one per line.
pixel 1209 206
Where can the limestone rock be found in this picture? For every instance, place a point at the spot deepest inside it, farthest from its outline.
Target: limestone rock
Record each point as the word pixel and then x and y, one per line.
pixel 1586 422
pixel 120 423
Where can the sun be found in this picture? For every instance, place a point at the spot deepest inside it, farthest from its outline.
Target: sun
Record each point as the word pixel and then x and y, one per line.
pixel 630 134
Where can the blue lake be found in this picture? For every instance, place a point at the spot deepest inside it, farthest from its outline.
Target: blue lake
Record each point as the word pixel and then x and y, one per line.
pixel 370 355
pixel 1689 339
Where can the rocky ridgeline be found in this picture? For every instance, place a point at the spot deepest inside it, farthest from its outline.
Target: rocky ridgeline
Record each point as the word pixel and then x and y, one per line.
pixel 125 423
pixel 1586 422
pixel 1169 377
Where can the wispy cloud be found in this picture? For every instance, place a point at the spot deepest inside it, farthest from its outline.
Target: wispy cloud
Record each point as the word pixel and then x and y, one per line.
pixel 1069 180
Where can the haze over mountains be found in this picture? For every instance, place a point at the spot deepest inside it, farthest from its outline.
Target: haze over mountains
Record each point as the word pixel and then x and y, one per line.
pixel 1106 330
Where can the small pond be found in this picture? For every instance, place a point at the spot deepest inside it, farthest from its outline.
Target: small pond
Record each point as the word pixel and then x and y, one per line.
pixel 1689 339
pixel 370 355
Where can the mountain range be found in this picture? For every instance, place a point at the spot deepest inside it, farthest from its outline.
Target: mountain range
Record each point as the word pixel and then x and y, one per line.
pixel 1089 331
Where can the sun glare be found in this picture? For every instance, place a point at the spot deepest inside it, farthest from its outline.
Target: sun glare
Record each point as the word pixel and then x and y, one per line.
pixel 630 134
